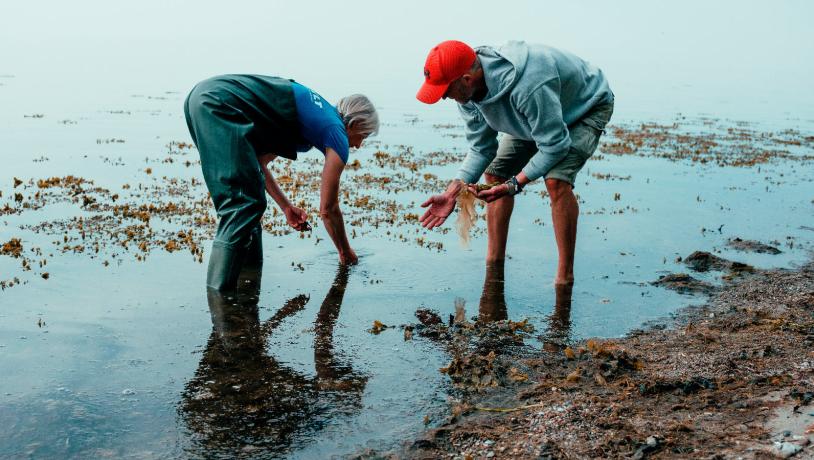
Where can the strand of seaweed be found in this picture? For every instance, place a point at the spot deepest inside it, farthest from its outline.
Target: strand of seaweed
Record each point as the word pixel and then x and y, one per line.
pixel 467 216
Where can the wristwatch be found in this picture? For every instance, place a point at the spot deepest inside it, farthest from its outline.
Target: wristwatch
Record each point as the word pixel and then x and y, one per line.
pixel 514 186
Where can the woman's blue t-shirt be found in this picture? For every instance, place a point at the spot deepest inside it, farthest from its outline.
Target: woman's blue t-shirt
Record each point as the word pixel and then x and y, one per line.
pixel 320 123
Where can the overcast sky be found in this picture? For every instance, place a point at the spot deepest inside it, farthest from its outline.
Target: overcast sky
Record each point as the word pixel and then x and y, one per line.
pixel 680 55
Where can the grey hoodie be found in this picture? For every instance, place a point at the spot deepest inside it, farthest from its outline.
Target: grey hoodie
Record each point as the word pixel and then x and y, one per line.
pixel 534 93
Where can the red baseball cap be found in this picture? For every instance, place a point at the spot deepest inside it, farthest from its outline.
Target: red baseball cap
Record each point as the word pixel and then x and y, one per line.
pixel 445 64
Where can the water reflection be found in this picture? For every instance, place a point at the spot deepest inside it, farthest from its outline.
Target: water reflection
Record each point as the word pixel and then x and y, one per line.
pixel 492 306
pixel 493 300
pixel 559 322
pixel 242 401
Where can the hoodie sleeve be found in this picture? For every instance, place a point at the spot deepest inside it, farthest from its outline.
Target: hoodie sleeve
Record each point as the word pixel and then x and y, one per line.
pixel 543 112
pixel 482 144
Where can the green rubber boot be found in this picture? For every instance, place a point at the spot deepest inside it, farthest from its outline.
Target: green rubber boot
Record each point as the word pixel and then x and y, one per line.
pixel 225 263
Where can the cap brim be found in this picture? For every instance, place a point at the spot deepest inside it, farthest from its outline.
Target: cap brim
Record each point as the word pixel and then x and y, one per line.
pixel 430 94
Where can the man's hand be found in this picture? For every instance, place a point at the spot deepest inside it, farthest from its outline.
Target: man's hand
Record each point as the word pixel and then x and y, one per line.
pixel 297 218
pixel 492 194
pixel 348 257
pixel 441 207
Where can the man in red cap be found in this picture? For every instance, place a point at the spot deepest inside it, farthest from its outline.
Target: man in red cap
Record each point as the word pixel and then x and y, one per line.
pixel 551 107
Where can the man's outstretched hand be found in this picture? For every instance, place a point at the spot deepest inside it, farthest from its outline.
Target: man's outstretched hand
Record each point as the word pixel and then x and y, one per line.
pixel 441 207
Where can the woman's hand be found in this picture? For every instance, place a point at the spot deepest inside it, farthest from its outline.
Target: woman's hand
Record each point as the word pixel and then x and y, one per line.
pixel 296 218
pixel 348 257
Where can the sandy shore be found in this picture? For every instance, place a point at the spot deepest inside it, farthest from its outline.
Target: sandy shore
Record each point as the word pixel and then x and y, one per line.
pixel 732 378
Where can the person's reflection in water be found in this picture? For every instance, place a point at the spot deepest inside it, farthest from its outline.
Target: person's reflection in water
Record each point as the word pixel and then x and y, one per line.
pixel 493 307
pixel 332 374
pixel 242 401
pixel 559 323
pixel 493 301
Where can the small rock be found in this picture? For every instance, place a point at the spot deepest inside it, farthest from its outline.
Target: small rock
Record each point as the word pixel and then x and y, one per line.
pixel 128 391
pixel 786 449
pixel 649 446
pixel 752 246
pixel 801 440
pixel 488 443
pixel 206 394
pixel 683 284
pixel 490 454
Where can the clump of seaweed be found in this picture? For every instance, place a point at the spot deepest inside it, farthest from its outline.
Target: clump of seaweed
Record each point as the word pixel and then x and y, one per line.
pixel 13 248
pixel 467 217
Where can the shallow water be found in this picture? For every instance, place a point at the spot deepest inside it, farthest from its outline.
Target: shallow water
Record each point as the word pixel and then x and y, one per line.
pixel 117 357
pixel 135 359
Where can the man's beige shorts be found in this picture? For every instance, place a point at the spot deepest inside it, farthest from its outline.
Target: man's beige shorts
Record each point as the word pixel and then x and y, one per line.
pixel 514 153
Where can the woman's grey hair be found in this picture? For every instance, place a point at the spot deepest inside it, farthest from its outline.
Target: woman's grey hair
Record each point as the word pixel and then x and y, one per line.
pixel 356 110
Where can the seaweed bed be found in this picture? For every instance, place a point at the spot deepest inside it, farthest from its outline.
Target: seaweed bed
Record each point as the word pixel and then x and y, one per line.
pixel 165 211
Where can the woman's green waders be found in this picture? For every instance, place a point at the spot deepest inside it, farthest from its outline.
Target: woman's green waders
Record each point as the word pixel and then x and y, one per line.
pixel 232 119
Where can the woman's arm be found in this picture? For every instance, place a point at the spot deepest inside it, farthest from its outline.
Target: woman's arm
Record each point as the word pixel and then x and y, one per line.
pixel 296 217
pixel 329 206
pixel 272 187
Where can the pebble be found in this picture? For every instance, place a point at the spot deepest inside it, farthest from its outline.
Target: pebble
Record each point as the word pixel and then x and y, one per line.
pixel 488 443
pixel 128 391
pixel 801 440
pixel 786 449
pixel 490 454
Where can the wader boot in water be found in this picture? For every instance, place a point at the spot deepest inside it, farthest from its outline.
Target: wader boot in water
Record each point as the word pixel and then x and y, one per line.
pixel 225 265
pixel 231 268
pixel 232 119
pixel 253 262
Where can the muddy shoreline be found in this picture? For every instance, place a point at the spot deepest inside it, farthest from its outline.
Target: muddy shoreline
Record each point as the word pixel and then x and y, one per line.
pixel 730 377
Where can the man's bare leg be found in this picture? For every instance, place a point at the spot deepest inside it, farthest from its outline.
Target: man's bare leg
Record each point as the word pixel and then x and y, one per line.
pixel 564 214
pixel 498 214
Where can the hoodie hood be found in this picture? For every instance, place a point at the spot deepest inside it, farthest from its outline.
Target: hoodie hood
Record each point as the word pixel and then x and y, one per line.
pixel 502 67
